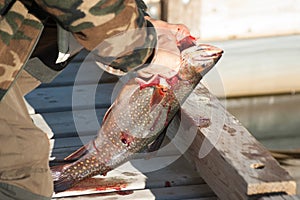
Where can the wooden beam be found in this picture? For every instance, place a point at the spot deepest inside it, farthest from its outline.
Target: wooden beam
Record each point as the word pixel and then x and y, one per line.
pixel 280 197
pixel 67 98
pixel 273 120
pixel 233 163
pixel 232 19
pixel 261 66
pixel 181 183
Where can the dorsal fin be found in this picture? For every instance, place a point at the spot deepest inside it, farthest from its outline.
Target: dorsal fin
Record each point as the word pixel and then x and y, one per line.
pixel 107 113
pixel 78 153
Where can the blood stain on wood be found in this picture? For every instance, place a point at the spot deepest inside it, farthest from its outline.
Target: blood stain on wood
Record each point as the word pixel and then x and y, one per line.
pixel 167 184
pixel 203 122
pixel 123 193
pixel 230 130
pixel 101 184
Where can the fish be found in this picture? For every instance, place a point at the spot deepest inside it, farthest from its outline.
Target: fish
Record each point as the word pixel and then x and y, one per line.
pixel 136 120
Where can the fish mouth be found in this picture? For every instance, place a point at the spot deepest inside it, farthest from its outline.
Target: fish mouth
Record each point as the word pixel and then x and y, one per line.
pixel 202 52
pixel 206 51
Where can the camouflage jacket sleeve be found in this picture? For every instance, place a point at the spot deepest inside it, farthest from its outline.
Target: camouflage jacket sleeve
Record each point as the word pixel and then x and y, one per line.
pixel 115 30
pixel 19 32
pixel 116 27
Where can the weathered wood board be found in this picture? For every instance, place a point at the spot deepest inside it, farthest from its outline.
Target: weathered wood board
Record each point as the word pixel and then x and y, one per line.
pixel 273 120
pixel 227 156
pixel 173 193
pixel 262 66
pixel 280 197
pixel 81 97
pixel 84 71
pixel 182 183
pixel 230 19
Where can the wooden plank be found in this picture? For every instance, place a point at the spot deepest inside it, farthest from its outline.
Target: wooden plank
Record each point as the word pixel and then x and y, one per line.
pixel 71 142
pixel 290 161
pixel 178 173
pixel 280 197
pixel 225 154
pixel 118 179
pixel 256 67
pixel 84 72
pixel 173 193
pixel 74 123
pixel 217 19
pixel 30 109
pixel 40 122
pixel 268 117
pixel 68 98
pixel 133 179
pixel 283 143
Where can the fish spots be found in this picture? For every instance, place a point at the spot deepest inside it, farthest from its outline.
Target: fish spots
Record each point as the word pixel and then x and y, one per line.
pixel 230 130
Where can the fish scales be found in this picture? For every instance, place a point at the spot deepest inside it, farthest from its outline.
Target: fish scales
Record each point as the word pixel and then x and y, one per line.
pixel 138 116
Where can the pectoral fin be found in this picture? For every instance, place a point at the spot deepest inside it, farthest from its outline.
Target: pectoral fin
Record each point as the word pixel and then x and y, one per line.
pixel 156 144
pixel 78 153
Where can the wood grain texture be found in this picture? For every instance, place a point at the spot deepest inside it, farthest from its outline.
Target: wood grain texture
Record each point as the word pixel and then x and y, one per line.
pixel 74 123
pixel 173 193
pixel 273 120
pixel 280 197
pixel 217 19
pixel 227 156
pixel 83 71
pixel 162 184
pixel 261 66
pixel 69 98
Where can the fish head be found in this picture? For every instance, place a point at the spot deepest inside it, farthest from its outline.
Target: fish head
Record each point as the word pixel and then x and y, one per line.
pixel 198 60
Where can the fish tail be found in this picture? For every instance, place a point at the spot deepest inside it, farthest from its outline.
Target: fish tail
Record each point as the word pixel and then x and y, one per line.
pixel 63 183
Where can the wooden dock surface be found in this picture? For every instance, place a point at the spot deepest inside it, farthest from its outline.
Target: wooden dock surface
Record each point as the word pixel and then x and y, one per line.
pixel 73 122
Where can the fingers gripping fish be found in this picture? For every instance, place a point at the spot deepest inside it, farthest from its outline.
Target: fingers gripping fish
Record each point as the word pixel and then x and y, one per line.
pixel 138 116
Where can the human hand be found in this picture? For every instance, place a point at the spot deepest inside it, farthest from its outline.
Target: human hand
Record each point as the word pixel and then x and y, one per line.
pixel 166 61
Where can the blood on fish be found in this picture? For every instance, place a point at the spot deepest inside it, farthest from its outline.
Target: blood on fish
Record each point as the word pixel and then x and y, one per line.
pixel 192 38
pixel 172 81
pixel 152 82
pixel 126 138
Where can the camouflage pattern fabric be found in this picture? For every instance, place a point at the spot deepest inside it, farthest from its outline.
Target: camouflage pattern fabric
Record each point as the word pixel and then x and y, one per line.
pixel 107 23
pixel 19 32
pixel 92 23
